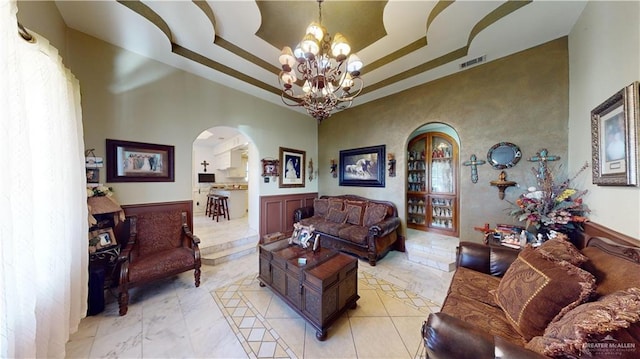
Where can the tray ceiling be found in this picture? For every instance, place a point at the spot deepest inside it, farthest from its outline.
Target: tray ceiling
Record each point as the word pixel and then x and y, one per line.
pixel 402 43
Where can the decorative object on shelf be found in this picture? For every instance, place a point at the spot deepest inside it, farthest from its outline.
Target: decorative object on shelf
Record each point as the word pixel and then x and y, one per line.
pixel 204 164
pixel 614 139
pixel 504 155
pixel 270 168
pixel 474 163
pixel 292 167
pixel 391 163
pixel 362 167
pixel 139 162
pixel 330 77
pixel 334 168
pixel 502 184
pixel 551 206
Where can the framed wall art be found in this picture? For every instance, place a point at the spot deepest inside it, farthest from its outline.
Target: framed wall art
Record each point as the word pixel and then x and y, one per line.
pixel 614 139
pixel 362 167
pixel 139 162
pixel 292 166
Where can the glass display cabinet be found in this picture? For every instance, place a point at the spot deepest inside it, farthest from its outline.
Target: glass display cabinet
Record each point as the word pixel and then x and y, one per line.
pixel 432 190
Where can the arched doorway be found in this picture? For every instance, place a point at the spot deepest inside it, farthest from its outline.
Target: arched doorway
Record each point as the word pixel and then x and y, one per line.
pixel 226 153
pixel 432 187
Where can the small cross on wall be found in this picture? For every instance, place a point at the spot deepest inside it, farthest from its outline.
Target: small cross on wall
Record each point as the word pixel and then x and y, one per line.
pixel 205 164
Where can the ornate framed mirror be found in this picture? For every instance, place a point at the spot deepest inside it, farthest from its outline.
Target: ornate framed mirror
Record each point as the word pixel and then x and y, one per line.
pixel 504 155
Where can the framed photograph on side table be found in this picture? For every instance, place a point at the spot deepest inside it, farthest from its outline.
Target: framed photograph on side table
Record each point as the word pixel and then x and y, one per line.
pixel 614 139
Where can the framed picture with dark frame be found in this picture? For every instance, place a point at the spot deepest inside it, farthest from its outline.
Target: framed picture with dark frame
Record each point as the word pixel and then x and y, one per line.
pixel 614 139
pixel 362 167
pixel 139 162
pixel 292 163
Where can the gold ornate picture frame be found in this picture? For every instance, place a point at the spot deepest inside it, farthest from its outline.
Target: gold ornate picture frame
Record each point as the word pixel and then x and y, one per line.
pixel 614 139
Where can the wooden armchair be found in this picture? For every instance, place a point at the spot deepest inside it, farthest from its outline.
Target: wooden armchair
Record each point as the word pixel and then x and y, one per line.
pixel 160 245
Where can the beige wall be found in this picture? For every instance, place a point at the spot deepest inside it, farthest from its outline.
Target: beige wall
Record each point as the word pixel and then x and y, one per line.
pixel 521 99
pixel 129 97
pixel 44 18
pixel 604 53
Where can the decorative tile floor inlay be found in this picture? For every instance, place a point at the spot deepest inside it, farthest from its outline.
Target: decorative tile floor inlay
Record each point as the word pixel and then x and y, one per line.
pixel 248 308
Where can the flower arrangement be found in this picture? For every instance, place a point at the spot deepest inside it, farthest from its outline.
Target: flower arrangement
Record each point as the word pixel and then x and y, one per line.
pixel 99 191
pixel 554 206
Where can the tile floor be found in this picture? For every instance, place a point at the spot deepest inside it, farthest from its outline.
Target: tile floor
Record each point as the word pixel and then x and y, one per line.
pixel 231 316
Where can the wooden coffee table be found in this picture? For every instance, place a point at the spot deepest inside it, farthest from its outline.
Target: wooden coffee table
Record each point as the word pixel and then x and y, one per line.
pixel 319 290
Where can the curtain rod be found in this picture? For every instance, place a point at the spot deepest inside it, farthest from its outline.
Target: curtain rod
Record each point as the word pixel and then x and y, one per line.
pixel 24 33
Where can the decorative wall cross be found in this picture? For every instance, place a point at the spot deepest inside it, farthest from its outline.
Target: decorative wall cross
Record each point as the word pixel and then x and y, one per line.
pixel 474 163
pixel 543 157
pixel 205 164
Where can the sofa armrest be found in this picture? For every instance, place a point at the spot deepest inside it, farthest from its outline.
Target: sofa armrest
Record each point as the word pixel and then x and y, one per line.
pixel 447 337
pixel 302 212
pixel 385 227
pixel 484 258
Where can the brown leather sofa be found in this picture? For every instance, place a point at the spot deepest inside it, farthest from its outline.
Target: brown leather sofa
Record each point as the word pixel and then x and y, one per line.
pixel 353 224
pixel 591 307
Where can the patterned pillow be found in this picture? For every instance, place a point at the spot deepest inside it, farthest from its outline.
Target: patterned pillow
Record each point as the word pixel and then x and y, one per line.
pixel 589 328
pixel 336 216
pixel 560 249
pixel 355 211
pixel 320 207
pixel 374 213
pixel 536 291
pixel 335 203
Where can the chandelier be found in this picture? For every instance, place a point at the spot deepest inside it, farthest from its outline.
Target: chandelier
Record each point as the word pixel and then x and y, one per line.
pixel 329 75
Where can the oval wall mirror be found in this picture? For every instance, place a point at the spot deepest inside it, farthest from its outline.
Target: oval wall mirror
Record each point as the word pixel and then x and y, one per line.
pixel 504 155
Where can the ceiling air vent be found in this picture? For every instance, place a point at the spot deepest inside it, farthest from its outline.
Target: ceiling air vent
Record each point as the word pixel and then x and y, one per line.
pixel 477 60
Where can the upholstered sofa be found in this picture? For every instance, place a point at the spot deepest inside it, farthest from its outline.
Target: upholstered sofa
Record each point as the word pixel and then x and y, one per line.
pixel 566 299
pixel 353 224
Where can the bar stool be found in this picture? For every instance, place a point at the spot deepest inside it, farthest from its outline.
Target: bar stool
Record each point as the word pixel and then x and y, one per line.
pixel 209 207
pixel 220 207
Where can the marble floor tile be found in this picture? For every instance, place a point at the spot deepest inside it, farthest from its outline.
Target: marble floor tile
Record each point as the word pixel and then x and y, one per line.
pixel 231 316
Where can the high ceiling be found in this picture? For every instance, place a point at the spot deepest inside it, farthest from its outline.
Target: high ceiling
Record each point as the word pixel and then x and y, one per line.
pixel 402 43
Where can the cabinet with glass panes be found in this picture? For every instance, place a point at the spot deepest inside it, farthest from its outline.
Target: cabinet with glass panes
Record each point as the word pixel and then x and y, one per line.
pixel 432 197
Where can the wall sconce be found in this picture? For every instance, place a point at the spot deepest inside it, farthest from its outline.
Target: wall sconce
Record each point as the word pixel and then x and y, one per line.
pixel 310 169
pixel 334 169
pixel 391 163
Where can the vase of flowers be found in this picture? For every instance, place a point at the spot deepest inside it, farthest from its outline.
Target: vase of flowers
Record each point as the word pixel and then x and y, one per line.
pixel 551 205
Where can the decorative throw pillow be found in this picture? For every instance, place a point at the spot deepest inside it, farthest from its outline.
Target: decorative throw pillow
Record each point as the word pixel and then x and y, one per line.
pixel 592 326
pixel 320 207
pixel 335 203
pixel 355 211
pixel 336 216
pixel 374 213
pixel 561 249
pixel 536 291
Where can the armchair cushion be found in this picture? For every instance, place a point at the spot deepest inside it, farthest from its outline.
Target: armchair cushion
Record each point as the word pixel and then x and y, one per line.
pixel 536 291
pixel 166 261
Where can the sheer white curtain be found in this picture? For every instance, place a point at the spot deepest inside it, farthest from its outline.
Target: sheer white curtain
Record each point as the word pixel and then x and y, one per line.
pixel 43 213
